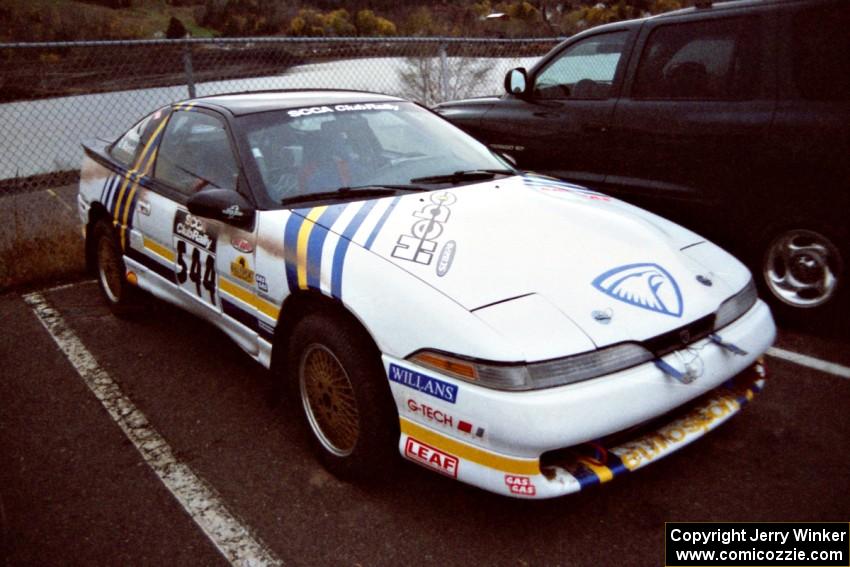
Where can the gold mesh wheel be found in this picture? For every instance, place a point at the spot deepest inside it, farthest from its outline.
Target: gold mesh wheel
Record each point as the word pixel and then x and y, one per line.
pixel 329 401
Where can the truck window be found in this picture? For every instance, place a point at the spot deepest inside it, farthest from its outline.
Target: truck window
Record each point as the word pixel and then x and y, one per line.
pixel 709 60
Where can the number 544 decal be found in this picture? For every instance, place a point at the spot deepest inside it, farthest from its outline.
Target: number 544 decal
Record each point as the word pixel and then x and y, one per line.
pixel 195 243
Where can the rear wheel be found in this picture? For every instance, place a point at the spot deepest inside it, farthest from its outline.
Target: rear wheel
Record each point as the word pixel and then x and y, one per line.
pixel 123 299
pixel 335 373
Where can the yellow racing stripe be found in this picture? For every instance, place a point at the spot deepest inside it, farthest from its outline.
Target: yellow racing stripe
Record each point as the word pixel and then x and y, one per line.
pixel 159 249
pixel 266 307
pixel 303 240
pixel 604 473
pixel 510 465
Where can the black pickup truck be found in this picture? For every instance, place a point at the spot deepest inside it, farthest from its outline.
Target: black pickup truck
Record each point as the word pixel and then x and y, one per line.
pixel 733 119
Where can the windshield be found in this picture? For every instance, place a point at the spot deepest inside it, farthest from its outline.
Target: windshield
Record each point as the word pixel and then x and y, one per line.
pixel 321 149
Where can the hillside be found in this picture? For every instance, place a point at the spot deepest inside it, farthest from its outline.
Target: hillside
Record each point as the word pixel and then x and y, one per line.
pixel 67 20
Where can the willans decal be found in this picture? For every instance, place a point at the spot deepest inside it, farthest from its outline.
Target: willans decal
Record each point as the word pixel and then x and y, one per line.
pixel 425 384
pixel 648 286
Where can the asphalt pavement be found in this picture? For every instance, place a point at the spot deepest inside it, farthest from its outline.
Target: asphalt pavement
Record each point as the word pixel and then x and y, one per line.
pixel 75 490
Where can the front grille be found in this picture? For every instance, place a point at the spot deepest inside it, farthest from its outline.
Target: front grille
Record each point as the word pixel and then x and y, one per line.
pixel 681 337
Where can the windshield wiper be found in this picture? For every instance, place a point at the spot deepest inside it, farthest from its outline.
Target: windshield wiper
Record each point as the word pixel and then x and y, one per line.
pixel 461 176
pixel 355 192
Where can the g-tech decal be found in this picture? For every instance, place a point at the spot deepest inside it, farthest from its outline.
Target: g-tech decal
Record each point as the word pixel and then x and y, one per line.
pixel 420 245
pixel 521 485
pixel 444 419
pixel 425 384
pixel 431 457
pixel 648 286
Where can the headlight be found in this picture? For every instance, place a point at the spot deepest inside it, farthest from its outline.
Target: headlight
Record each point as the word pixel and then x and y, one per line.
pixel 736 305
pixel 537 375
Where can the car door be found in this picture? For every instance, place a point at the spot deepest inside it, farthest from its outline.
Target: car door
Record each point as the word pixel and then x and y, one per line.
pixel 561 125
pixel 211 261
pixel 690 133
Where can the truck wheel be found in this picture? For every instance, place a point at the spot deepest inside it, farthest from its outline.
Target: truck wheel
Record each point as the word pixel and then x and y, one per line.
pixel 802 272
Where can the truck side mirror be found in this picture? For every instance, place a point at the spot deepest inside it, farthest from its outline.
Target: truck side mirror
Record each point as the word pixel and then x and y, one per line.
pixel 516 81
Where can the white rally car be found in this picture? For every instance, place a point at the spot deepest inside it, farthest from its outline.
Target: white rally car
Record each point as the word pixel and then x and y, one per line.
pixel 419 295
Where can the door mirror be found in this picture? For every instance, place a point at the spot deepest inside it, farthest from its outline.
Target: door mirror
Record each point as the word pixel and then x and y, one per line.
pixel 516 81
pixel 223 205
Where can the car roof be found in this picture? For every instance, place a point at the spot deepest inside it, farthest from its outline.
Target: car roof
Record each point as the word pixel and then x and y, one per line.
pixel 263 101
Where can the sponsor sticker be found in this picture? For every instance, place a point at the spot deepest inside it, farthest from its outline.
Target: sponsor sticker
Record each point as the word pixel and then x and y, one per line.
pixel 425 384
pixel 262 285
pixel 444 419
pixel 447 255
pixel 420 245
pixel 431 457
pixel 240 269
pixel 297 112
pixel 193 229
pixel 242 245
pixel 520 485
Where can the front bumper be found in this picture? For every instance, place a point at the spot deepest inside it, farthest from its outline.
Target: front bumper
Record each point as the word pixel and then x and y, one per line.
pixel 546 443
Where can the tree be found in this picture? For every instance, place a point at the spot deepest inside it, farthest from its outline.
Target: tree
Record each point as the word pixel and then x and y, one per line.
pixel 430 80
pixel 176 29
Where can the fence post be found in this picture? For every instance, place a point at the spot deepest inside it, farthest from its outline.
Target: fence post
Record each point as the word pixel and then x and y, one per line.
pixel 187 67
pixel 444 74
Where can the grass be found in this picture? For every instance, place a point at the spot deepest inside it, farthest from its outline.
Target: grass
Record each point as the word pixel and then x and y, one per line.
pixel 46 20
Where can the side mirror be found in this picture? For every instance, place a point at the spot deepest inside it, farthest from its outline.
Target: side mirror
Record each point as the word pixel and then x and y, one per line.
pixel 516 81
pixel 223 205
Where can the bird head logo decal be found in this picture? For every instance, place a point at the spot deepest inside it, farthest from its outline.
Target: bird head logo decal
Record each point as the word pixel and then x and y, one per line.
pixel 648 286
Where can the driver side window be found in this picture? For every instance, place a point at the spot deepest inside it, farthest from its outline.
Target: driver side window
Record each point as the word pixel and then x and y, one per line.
pixel 584 71
pixel 195 153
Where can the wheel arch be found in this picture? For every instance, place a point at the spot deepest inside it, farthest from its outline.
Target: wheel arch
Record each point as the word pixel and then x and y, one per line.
pixel 301 303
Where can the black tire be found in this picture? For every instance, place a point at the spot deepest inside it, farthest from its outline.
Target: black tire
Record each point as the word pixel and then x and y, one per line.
pixel 335 375
pixel 123 299
pixel 801 271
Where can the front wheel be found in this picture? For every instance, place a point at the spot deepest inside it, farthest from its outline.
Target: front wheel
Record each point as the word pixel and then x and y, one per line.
pixel 335 372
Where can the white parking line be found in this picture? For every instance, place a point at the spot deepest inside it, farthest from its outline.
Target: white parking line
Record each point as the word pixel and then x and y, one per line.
pixel 810 362
pixel 232 538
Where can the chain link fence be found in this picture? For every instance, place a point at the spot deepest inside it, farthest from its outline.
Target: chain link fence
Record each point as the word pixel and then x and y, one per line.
pixel 55 95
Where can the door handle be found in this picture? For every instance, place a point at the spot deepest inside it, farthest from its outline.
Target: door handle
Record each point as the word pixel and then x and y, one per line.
pixel 144 208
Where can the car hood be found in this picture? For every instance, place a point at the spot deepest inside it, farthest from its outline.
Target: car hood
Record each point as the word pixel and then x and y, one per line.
pixel 617 272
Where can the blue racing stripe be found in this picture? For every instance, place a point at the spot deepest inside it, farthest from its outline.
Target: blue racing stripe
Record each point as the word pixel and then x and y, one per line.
pixel 380 224
pixel 290 248
pixel 317 241
pixel 616 464
pixel 585 476
pixel 342 247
